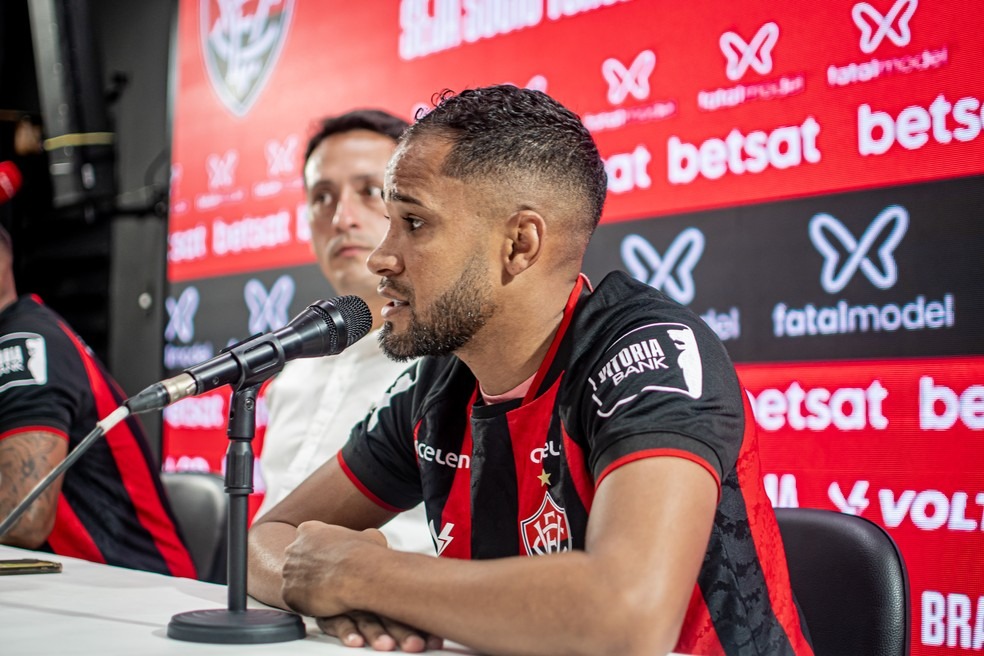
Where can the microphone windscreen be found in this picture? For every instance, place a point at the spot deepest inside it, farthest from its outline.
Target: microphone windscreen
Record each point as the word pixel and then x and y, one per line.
pixel 357 315
pixel 10 180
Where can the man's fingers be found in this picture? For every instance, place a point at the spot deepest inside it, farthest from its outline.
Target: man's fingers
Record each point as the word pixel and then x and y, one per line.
pixel 371 627
pixel 409 639
pixel 343 628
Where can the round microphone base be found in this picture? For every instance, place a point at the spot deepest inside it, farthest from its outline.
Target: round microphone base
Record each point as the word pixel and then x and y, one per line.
pixel 236 627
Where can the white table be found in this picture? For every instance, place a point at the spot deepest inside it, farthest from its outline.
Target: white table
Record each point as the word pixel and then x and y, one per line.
pixel 97 609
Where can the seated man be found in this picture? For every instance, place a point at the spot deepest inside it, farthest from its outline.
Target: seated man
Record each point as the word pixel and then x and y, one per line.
pixel 109 507
pixel 603 431
pixel 314 402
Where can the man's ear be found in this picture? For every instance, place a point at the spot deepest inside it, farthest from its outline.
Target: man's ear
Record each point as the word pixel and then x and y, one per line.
pixel 524 241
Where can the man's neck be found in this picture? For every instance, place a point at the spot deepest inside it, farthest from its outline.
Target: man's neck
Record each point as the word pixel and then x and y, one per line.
pixel 512 346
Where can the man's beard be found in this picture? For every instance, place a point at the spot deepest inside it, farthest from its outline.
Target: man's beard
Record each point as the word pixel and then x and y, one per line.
pixel 455 317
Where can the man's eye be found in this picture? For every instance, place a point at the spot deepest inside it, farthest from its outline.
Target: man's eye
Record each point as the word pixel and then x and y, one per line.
pixel 413 222
pixel 374 192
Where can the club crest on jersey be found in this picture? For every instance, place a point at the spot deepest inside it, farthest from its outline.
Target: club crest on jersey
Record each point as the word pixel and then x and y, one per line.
pixel 23 360
pixel 241 42
pixel 547 530
pixel 658 357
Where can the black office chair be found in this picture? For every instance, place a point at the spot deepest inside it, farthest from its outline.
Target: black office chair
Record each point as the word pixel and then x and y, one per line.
pixel 201 508
pixel 850 581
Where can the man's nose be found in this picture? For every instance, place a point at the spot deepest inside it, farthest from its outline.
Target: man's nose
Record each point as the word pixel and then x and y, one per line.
pixel 346 212
pixel 384 260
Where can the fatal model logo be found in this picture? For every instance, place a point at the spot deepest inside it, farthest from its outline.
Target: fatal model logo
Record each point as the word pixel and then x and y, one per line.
pixel 181 312
pixel 241 41
pixel 875 27
pixel 756 54
pixel 281 156
pixel 268 311
pixel 221 169
pixel 547 530
pixel 893 220
pixel 672 273
pixel 844 256
pixel 181 328
pixel 632 80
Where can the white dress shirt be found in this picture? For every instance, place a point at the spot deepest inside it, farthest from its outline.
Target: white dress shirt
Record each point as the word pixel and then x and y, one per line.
pixel 313 403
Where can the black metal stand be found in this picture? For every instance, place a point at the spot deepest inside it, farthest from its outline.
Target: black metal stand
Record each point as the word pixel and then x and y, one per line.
pixel 237 624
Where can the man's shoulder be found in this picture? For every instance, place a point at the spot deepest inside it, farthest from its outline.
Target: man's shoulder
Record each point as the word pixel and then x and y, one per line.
pixel 620 304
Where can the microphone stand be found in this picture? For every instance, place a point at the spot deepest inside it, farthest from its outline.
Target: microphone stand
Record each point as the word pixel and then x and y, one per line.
pixel 237 624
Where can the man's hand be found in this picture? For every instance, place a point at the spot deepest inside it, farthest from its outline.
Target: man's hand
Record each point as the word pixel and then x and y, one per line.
pixel 358 629
pixel 317 567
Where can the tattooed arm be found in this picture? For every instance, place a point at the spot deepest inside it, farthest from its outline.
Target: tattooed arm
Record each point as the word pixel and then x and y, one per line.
pixel 26 458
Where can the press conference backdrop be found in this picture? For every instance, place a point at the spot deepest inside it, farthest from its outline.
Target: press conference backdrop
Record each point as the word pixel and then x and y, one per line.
pixel 808 177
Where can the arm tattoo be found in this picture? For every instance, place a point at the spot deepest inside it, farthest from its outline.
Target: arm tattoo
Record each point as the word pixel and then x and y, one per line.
pixel 26 458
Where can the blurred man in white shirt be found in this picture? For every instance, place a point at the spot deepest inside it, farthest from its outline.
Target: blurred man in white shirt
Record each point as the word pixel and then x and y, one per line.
pixel 314 403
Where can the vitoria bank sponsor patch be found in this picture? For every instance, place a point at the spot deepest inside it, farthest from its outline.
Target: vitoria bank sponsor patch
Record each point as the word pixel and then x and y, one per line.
pixel 657 357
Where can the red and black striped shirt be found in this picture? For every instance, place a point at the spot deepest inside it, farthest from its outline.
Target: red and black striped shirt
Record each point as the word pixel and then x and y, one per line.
pixel 112 508
pixel 630 375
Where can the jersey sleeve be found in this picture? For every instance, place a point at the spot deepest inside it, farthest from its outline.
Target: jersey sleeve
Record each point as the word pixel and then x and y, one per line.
pixel 663 387
pixel 41 379
pixel 379 456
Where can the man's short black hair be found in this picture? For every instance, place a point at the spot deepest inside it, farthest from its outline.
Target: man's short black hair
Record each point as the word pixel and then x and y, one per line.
pixel 508 131
pixel 374 120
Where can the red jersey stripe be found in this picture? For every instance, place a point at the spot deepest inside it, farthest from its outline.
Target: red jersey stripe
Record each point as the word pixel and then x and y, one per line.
pixel 655 453
pixel 33 429
pixel 456 516
pixel 578 468
pixel 766 538
pixel 136 475
pixel 70 537
pixel 701 638
pixel 363 489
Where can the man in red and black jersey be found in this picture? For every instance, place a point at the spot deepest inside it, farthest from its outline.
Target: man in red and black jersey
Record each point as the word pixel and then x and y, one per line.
pixel 109 507
pixel 603 431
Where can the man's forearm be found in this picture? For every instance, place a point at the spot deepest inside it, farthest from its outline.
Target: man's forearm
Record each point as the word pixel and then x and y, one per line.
pixel 563 603
pixel 267 542
pixel 25 459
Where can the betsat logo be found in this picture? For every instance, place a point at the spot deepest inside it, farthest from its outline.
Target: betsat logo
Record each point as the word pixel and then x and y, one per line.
pixel 672 274
pixel 819 408
pixel 873 255
pixel 180 349
pixel 941 407
pixel 952 619
pixel 916 126
pixel 755 55
pixel 783 147
pixel 892 30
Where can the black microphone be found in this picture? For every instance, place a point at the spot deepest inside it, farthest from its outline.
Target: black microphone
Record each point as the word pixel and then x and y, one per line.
pixel 323 328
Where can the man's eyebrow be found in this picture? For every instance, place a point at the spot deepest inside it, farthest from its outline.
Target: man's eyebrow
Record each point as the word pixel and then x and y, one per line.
pixel 396 197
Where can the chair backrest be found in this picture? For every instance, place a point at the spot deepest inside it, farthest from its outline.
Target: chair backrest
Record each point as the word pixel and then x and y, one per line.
pixel 201 508
pixel 850 581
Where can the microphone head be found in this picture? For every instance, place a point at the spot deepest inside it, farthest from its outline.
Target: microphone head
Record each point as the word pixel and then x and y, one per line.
pixel 10 181
pixel 357 316
pixel 347 318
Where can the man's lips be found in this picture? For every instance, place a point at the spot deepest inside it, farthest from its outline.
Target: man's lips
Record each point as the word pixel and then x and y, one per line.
pixel 396 299
pixel 350 250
